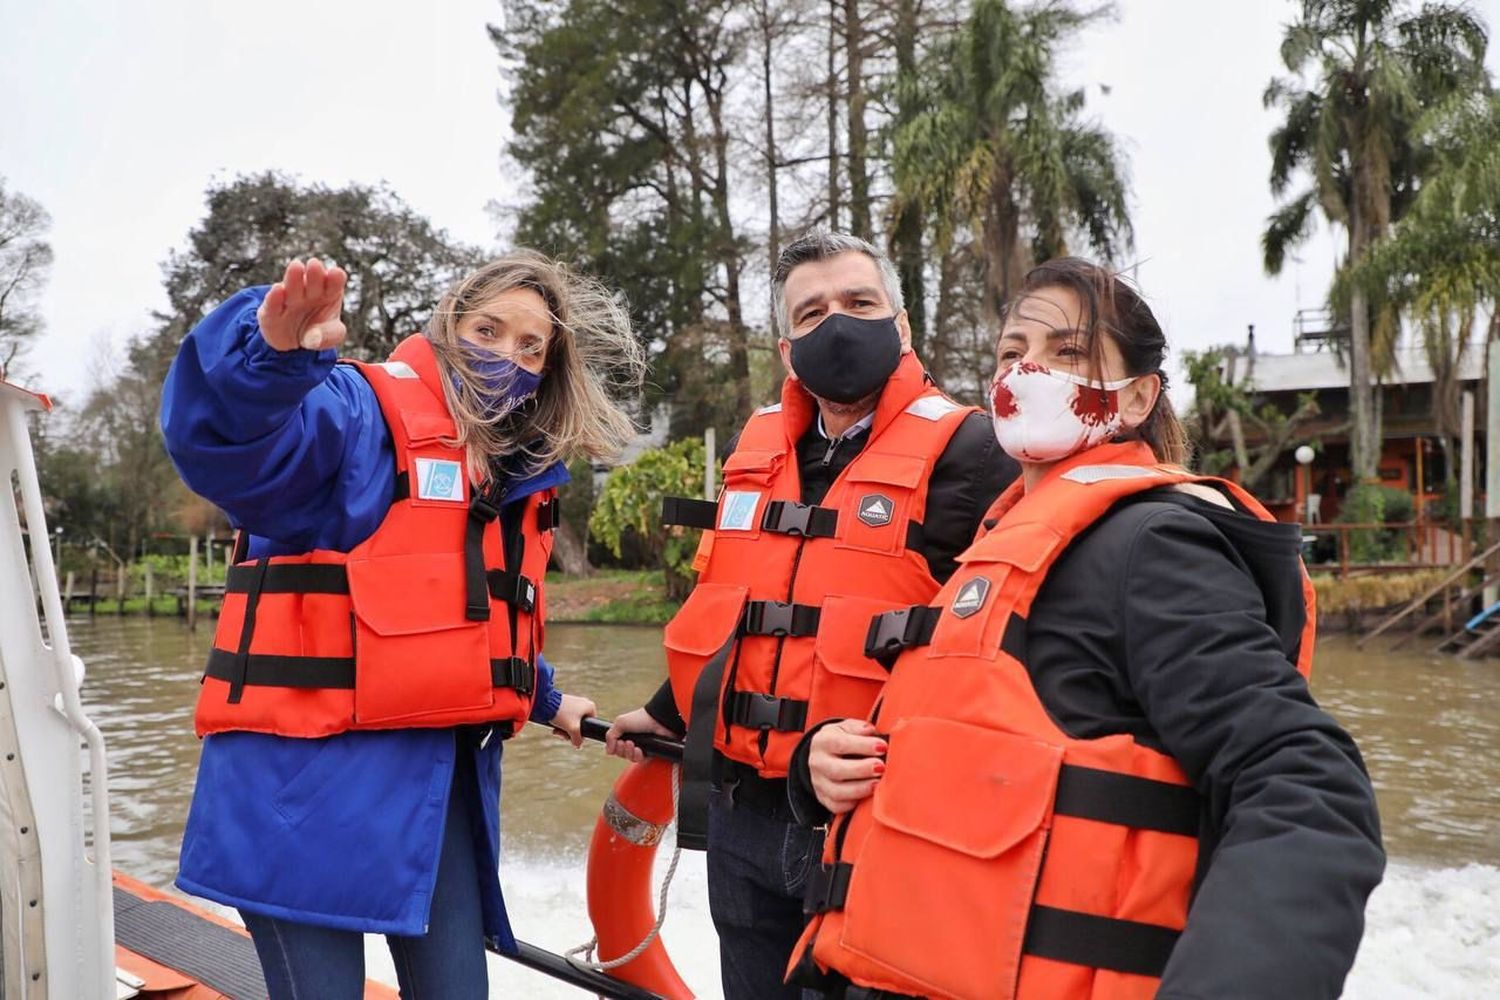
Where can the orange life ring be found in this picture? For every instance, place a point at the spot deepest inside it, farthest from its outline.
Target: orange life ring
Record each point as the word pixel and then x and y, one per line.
pixel 636 814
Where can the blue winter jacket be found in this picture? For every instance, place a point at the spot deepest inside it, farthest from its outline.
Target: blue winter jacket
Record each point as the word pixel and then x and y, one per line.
pixel 344 831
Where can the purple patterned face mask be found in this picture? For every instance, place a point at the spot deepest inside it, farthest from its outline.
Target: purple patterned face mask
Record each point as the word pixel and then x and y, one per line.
pixel 503 384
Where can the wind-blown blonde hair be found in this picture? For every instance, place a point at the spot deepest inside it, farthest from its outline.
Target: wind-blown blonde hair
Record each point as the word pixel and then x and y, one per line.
pixel 593 360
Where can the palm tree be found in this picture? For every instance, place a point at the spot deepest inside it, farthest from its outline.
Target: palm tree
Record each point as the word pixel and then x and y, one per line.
pixel 1441 265
pixel 1000 149
pixel 1373 69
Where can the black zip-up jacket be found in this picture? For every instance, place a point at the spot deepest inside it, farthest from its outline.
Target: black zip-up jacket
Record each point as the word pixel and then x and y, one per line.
pixel 1178 621
pixel 967 477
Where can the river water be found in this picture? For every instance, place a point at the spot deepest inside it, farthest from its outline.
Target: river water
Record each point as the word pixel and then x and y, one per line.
pixel 1429 728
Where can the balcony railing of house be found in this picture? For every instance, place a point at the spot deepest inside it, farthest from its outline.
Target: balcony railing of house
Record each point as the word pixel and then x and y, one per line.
pixel 1318 328
pixel 1353 549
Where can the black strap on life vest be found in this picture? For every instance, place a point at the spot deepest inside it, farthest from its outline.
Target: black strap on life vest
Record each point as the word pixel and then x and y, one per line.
pixel 287 578
pixel 754 710
pixel 1064 935
pixel 903 628
pixel 1129 946
pixel 268 670
pixel 698 756
pixel 788 517
pixel 514 589
pixel 776 618
pixel 1082 792
pixel 484 507
pixel 240 664
pixel 549 515
pixel 1128 800
pixel 686 512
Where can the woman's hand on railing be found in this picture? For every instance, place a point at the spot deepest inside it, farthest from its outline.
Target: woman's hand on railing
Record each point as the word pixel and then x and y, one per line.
pixel 568 722
pixel 846 762
pixel 617 741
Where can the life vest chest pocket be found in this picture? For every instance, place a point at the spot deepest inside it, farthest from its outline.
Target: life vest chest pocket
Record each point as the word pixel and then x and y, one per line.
pixel 944 879
pixel 845 682
pixel 881 488
pixel 748 475
pixel 707 623
pixel 415 653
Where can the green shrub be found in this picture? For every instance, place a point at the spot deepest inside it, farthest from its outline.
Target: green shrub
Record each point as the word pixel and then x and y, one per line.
pixel 629 509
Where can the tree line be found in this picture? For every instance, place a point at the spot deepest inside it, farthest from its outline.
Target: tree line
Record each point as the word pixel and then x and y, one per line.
pixel 671 148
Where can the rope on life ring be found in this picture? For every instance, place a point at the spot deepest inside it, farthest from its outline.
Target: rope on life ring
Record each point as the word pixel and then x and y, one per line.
pixel 637 813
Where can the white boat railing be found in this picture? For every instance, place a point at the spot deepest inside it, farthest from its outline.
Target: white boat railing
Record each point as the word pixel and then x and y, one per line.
pixel 56 912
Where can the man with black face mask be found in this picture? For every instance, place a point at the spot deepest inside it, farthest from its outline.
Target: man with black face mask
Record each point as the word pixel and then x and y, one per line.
pixel 850 497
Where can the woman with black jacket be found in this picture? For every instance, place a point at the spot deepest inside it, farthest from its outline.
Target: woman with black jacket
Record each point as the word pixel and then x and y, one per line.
pixel 1097 770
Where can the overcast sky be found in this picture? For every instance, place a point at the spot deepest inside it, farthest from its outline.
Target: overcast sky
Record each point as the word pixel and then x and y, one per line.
pixel 116 115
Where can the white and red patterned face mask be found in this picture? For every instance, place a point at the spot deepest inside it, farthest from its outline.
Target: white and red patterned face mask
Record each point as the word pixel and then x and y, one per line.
pixel 1042 415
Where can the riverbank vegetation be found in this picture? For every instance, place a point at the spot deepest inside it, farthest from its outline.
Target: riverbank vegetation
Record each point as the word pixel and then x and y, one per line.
pixel 672 148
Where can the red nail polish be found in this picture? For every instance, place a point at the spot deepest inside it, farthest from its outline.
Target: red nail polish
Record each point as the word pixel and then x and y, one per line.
pixel 881 749
pixel 879 767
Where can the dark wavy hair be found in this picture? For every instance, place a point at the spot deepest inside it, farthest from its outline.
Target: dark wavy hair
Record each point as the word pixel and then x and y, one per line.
pixel 1113 306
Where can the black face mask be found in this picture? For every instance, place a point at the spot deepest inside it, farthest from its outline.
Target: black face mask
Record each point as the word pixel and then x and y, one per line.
pixel 845 359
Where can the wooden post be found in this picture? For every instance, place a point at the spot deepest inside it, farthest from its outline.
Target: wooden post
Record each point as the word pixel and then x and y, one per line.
pixel 1466 473
pixel 1343 552
pixel 192 583
pixel 93 589
pixel 150 593
pixel 1421 484
pixel 709 486
pixel 208 555
pixel 121 581
pixel 68 591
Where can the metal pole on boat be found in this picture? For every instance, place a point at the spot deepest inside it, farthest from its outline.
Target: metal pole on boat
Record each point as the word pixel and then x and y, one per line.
pixel 558 967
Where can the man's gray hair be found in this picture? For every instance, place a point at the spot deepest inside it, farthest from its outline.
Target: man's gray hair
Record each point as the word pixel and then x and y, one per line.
pixel 820 244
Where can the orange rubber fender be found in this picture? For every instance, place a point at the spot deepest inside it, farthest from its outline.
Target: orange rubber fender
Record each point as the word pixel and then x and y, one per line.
pixel 621 854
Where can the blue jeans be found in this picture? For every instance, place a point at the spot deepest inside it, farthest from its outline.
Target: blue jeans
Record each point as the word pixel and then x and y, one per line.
pixel 303 962
pixel 757 867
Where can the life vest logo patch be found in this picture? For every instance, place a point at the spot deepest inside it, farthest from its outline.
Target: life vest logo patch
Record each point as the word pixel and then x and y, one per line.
pixel 970 597
pixel 440 479
pixel 737 510
pixel 876 510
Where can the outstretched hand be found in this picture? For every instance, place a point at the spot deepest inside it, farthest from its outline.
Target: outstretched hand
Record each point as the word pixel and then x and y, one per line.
pixel 302 309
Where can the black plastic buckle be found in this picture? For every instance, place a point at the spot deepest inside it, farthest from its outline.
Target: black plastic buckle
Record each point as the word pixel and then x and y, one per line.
pixel 791 518
pixel 768 618
pixel 514 672
pixel 549 515
pixel 482 510
pixel 755 710
pixel 514 589
pixel 827 887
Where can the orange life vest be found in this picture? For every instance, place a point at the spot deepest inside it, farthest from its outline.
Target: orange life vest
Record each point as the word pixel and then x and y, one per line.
pixel 428 622
pixel 999 857
pixel 788 591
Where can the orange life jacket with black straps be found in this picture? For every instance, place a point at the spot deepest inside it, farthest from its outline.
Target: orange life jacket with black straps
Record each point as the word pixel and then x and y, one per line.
pixel 772 638
pixel 999 857
pixel 434 620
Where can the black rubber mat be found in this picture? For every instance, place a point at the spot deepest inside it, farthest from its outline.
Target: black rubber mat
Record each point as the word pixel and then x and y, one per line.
pixel 169 935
